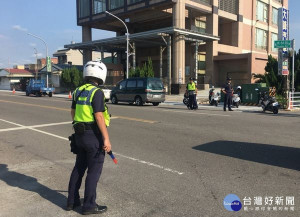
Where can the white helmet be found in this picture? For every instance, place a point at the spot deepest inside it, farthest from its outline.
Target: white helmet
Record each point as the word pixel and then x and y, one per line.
pixel 95 69
pixel 239 87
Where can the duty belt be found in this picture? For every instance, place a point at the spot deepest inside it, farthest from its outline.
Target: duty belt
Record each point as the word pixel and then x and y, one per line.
pixel 80 127
pixel 90 126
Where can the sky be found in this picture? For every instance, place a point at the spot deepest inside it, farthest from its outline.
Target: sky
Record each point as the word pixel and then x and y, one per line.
pixel 55 21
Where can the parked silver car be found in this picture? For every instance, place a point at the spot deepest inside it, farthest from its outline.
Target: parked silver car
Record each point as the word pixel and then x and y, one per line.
pixel 139 91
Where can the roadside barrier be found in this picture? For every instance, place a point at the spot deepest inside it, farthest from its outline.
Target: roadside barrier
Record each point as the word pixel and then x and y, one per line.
pixel 294 100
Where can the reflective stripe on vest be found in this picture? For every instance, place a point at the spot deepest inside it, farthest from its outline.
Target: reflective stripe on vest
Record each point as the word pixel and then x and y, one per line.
pixel 191 86
pixel 84 110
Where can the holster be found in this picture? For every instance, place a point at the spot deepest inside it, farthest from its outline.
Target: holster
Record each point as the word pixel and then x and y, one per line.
pixel 79 128
pixel 73 144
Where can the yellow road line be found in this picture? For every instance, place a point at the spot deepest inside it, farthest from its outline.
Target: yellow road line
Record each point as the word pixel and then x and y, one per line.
pixel 62 109
pixel 136 119
pixel 40 106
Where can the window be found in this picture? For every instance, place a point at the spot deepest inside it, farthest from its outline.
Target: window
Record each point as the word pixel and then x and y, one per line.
pixel 155 84
pixel 116 4
pixel 261 39
pixel 99 6
pixel 131 84
pixel 84 8
pixel 122 85
pixel 262 11
pixel 140 83
pixel 274 38
pixel 200 25
pixel 275 16
pixel 201 63
pixel 133 1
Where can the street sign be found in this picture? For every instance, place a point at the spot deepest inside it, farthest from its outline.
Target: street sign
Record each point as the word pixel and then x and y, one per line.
pixel 48 64
pixel 283 44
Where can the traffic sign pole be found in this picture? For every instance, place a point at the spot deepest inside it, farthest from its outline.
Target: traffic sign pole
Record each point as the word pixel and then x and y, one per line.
pixel 293 66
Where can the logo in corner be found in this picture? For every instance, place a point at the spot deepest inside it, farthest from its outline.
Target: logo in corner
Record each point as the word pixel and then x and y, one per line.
pixel 232 203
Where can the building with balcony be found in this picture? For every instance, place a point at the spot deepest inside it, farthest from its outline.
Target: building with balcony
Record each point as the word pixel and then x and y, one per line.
pixel 206 39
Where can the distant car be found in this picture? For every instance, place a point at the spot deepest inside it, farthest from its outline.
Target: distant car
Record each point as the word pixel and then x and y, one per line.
pixel 139 91
pixel 106 91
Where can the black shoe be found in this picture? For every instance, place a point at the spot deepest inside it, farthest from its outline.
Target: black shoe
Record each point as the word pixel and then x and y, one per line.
pixel 97 210
pixel 230 110
pixel 224 110
pixel 72 206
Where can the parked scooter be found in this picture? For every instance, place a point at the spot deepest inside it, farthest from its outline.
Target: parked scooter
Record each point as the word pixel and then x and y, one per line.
pixel 268 103
pixel 213 97
pixel 236 100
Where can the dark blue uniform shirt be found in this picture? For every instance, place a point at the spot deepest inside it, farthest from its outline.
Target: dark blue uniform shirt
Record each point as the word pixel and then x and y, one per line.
pixel 228 88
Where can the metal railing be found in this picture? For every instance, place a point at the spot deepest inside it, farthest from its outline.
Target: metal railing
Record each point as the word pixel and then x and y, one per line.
pixel 294 100
pixel 230 6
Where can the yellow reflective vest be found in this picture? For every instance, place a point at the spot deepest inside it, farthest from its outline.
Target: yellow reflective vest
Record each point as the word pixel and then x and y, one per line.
pixel 191 86
pixel 84 111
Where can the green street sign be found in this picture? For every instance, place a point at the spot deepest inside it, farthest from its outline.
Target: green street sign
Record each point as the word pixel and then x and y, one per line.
pixel 283 44
pixel 48 64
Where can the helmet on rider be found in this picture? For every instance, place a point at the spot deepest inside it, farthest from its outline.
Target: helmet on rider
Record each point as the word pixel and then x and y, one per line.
pixel 239 87
pixel 95 70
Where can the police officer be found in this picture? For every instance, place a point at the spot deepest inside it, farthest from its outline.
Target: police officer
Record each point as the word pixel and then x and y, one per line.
pixel 228 91
pixel 90 120
pixel 191 90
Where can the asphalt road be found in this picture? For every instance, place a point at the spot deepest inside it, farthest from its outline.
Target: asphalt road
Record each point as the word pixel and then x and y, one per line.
pixel 172 162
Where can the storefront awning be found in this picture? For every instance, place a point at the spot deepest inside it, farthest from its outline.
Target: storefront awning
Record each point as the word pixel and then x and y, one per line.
pixel 142 39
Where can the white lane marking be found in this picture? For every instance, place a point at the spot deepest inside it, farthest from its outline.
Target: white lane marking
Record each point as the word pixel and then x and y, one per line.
pixel 52 124
pixel 50 134
pixel 13 128
pixel 150 164
pixel 12 123
pixel 36 126
pixel 121 155
pixel 30 127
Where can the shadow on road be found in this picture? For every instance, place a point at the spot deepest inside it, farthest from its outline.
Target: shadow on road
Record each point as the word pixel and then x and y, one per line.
pixel 29 183
pixel 286 157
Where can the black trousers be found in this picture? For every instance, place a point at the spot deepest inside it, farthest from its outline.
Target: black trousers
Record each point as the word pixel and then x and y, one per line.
pixel 91 157
pixel 227 101
pixel 193 101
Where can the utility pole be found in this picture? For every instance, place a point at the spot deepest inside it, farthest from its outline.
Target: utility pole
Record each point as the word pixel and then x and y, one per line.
pixel 127 42
pixel 293 65
pixel 46 52
pixel 36 68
